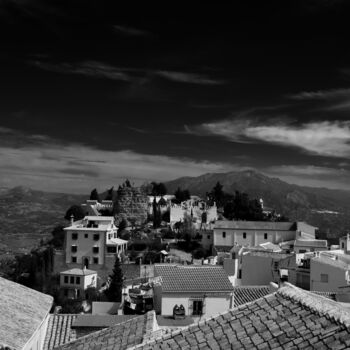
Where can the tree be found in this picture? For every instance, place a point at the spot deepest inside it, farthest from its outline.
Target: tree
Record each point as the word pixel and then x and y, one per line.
pixel 114 292
pixel 217 195
pixel 181 195
pixel 158 189
pixel 122 226
pixel 58 235
pixel 156 214
pixel 94 195
pixel 110 192
pixel 77 211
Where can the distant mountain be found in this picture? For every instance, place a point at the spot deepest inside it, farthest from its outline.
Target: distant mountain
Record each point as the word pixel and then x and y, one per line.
pixel 27 215
pixel 325 208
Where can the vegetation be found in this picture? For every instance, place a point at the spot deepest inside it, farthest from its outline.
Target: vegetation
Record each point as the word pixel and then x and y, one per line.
pixel 77 211
pixel 95 196
pixel 181 195
pixel 158 189
pixel 114 292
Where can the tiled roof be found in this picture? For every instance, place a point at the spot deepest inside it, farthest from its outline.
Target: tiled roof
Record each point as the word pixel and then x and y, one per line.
pixel 120 336
pixel 311 243
pixel 288 319
pixel 246 294
pixel 177 278
pixel 169 321
pixel 78 272
pixel 256 225
pixel 100 321
pixel 223 248
pixel 59 330
pixel 22 311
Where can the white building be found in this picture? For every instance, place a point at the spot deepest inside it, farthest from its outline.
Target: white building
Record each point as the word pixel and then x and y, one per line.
pixel 202 290
pixel 74 282
pixel 24 315
pixel 253 233
pixel 94 208
pixel 90 241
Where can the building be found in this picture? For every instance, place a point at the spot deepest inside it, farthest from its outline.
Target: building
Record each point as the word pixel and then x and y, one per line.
pixel 290 318
pixel 202 290
pixel 260 267
pixel 121 336
pixel 91 241
pixel 253 233
pixel 74 282
pixel 24 315
pixel 309 245
pixel 94 208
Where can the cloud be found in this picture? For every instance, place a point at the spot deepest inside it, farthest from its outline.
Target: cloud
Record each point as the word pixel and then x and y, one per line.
pixel 321 94
pixel 78 168
pixel 190 78
pixel 325 138
pixel 88 68
pixel 129 31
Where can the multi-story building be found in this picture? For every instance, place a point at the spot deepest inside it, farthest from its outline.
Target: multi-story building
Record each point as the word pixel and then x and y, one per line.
pixel 253 233
pixel 90 241
pixel 74 282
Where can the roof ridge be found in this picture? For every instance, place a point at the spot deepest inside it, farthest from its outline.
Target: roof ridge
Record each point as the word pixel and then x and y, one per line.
pixel 317 303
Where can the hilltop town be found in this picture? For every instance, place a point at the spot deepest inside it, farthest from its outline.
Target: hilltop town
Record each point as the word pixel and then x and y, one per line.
pixel 142 268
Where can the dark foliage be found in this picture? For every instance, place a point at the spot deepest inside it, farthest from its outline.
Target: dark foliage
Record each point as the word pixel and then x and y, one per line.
pixel 94 195
pixel 114 292
pixel 77 211
pixel 181 195
pixel 58 235
pixel 158 189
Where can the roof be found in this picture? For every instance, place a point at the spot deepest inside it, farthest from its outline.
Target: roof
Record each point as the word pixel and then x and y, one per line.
pixel 290 318
pixel 246 294
pixel 119 336
pixel 22 310
pixel 270 246
pixel 78 272
pixel 317 243
pixel 59 330
pixel 202 278
pixel 255 225
pixel 100 321
pixel 223 248
pixel 266 253
pixel 169 321
pixel 333 262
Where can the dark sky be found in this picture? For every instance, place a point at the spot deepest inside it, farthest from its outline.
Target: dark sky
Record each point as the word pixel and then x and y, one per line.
pixel 92 92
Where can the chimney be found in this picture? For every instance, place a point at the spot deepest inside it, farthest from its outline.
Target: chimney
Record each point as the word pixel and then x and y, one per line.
pixel 72 220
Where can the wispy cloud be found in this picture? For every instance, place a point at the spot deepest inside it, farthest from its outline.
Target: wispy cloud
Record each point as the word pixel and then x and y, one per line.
pixel 78 168
pixel 326 138
pixel 191 78
pixel 130 31
pixel 88 68
pixel 321 94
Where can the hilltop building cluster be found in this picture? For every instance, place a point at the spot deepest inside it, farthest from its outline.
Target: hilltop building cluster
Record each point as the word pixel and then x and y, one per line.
pixel 265 284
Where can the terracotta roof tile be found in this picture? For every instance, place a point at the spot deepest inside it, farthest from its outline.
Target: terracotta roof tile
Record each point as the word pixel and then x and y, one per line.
pixel 59 330
pixel 119 336
pixel 291 318
pixel 246 294
pixel 177 278
pixel 22 311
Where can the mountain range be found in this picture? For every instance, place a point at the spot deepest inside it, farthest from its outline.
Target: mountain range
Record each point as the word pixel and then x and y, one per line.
pixel 28 215
pixel 327 209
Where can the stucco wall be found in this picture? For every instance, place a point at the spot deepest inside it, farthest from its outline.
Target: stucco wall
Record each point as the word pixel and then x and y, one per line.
pixel 85 246
pixel 336 276
pixel 213 305
pixel 36 342
pixel 258 270
pixel 253 237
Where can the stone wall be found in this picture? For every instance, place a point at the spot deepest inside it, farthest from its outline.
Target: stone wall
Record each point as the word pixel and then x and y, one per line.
pixel 132 204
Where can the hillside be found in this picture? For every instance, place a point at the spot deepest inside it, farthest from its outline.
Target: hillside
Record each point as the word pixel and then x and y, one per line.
pixel 27 216
pixel 302 203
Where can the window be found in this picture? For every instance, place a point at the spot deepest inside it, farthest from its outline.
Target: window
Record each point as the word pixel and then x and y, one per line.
pixel 86 235
pixel 74 248
pixel 96 237
pixel 324 278
pixel 71 279
pixel 265 235
pixel 111 250
pixel 208 236
pixel 244 235
pixel 78 293
pixel 74 259
pixel 197 307
pixel 77 280
pixel 95 250
pixel 342 245
pixel 275 265
pixel 74 236
pixel 65 279
pixel 95 260
pixel 240 274
pixel 66 292
pixel 223 234
pixel 109 236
